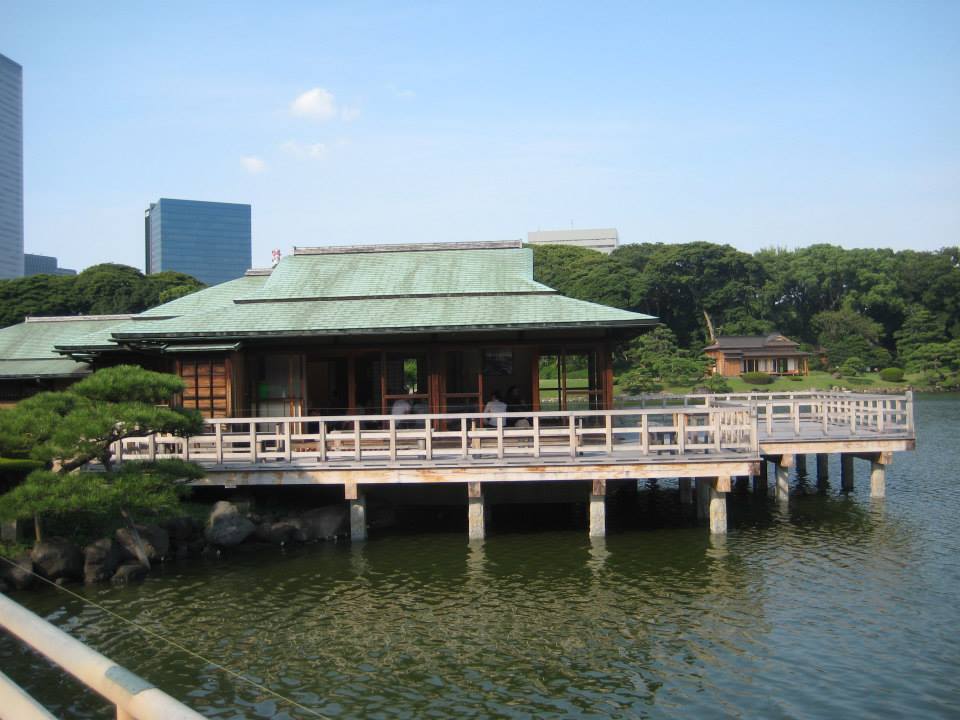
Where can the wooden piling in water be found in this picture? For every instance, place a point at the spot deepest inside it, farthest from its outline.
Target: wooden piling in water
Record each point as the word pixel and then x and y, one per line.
pixel 685 496
pixel 783 477
pixel 476 513
pixel 846 472
pixel 823 470
pixel 598 508
pixel 717 489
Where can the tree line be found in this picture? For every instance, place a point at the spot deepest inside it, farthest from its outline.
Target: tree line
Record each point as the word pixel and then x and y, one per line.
pixel 99 290
pixel 878 307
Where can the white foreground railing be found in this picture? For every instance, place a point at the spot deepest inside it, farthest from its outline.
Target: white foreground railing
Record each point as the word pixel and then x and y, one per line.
pixel 832 413
pixel 462 436
pixel 134 698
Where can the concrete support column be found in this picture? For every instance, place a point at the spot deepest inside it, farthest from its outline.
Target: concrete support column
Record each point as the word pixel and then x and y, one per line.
pixel 598 509
pixel 783 477
pixel 823 470
pixel 717 489
pixel 878 476
pixel 476 513
pixel 685 497
pixel 846 472
pixel 760 481
pixel 358 512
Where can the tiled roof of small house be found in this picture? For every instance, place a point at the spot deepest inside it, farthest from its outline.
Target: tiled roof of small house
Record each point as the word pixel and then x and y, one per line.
pixel 773 341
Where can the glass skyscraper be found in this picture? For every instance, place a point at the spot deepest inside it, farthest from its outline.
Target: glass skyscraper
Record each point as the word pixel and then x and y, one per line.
pixel 11 168
pixel 209 240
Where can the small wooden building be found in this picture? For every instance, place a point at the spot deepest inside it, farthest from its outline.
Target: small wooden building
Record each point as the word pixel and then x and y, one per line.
pixel 774 354
pixel 355 330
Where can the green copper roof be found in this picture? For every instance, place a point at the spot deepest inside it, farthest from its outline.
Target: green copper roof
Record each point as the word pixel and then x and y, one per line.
pixel 428 272
pixel 382 290
pixel 27 349
pixel 386 315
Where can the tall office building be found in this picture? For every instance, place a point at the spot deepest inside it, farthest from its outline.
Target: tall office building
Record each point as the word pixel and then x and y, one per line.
pixel 11 168
pixel 43 265
pixel 209 240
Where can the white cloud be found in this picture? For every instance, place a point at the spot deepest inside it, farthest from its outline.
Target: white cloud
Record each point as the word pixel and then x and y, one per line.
pixel 317 103
pixel 304 150
pixel 253 164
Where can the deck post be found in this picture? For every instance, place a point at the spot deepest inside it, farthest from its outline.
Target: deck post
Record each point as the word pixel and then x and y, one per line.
pixel 476 515
pixel 760 481
pixel 703 498
pixel 846 472
pixel 801 462
pixel 823 470
pixel 717 490
pixel 783 477
pixel 358 512
pixel 878 476
pixel 598 508
pixel 685 498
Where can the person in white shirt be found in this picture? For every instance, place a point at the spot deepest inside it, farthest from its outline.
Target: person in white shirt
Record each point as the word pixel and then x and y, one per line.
pixel 495 405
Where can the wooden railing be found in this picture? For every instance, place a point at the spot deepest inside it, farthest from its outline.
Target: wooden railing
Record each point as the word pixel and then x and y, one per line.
pixel 832 413
pixel 715 430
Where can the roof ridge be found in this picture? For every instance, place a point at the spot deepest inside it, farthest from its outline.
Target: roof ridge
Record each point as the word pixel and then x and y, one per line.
pixel 408 247
pixel 68 318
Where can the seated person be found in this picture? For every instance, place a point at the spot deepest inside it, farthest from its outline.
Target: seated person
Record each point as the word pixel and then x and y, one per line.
pixel 495 405
pixel 516 403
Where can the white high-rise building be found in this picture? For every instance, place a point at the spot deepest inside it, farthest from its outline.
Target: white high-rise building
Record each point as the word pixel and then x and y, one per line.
pixel 11 168
pixel 604 240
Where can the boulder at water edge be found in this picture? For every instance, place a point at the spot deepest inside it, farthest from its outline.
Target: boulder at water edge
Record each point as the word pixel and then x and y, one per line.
pixel 226 526
pixel 100 560
pixel 19 574
pixel 129 572
pixel 156 541
pixel 57 558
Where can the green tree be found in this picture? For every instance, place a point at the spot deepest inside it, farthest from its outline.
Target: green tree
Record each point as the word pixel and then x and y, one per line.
pixel 657 356
pixel 106 289
pixel 66 431
pixel 920 327
pixel 846 333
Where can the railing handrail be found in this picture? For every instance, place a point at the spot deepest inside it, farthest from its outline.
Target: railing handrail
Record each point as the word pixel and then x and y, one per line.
pixel 133 696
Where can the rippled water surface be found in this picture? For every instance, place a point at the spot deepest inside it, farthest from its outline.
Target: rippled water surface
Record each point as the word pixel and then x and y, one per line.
pixel 838 607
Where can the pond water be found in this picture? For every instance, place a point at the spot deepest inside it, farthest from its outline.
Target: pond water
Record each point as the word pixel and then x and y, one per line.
pixel 840 606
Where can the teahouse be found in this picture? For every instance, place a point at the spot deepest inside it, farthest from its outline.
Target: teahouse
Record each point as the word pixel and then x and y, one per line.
pixel 353 330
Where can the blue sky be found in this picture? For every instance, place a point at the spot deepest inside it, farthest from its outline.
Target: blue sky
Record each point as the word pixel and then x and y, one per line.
pixel 756 124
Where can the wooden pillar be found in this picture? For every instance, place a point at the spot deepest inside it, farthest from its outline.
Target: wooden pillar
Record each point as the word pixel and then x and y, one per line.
pixel 358 512
pixel 598 509
pixel 801 461
pixel 783 477
pixel 878 475
pixel 685 498
pixel 717 489
pixel 703 497
pixel 476 515
pixel 760 481
pixel 846 472
pixel 823 470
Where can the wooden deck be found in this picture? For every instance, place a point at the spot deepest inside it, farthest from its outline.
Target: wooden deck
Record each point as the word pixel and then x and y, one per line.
pixel 685 436
pixel 708 439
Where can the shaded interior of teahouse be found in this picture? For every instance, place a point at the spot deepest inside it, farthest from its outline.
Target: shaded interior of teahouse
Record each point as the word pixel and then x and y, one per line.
pixel 329 379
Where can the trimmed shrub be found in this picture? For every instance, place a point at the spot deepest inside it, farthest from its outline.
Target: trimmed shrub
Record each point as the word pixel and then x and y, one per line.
pixel 891 374
pixel 795 378
pixel 756 378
